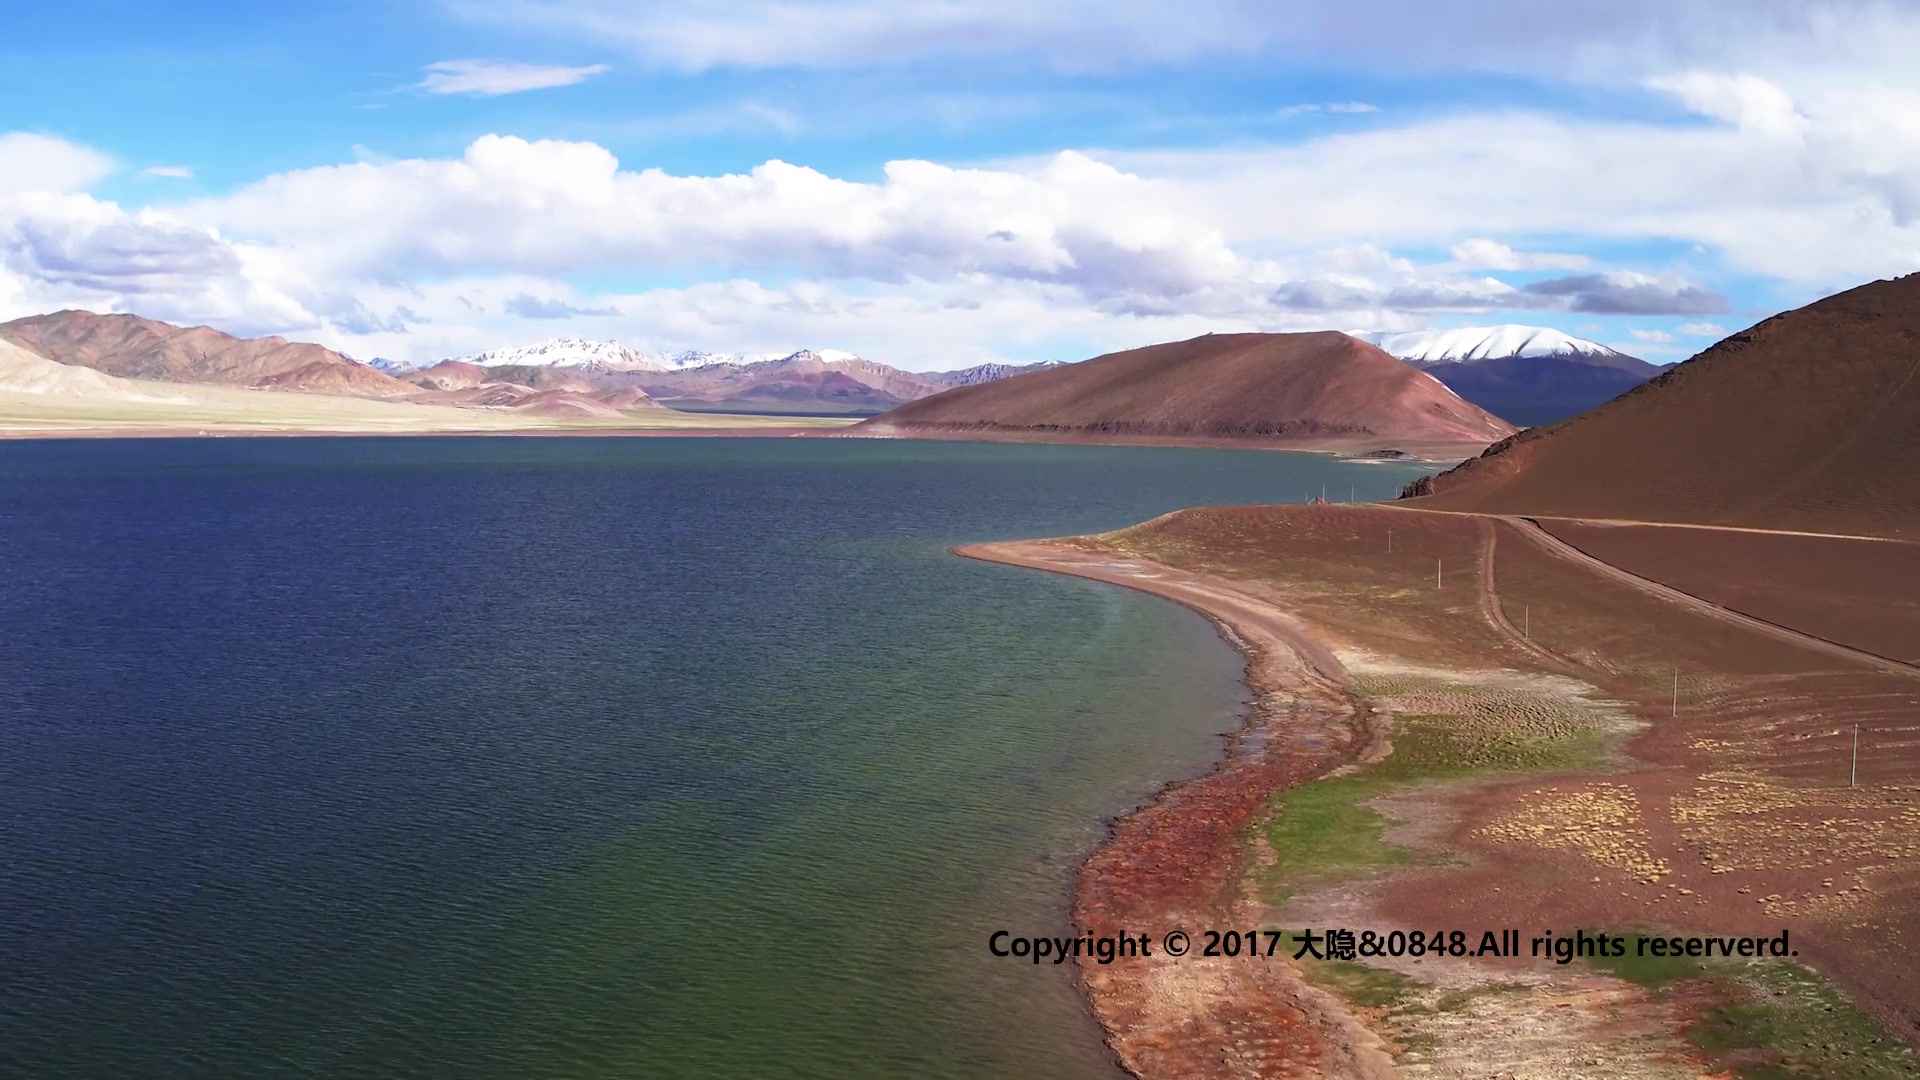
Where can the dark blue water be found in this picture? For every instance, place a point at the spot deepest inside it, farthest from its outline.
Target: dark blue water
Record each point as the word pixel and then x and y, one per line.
pixel 559 757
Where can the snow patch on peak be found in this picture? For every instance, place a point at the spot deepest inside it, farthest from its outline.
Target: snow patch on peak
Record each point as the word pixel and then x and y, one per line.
pixel 571 352
pixel 613 356
pixel 1442 385
pixel 1471 343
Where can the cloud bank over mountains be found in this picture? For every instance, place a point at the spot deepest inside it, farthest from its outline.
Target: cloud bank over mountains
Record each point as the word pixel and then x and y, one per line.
pixel 1782 151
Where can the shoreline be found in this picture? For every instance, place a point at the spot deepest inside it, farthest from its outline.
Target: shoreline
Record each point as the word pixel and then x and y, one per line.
pixel 1511 752
pixel 769 432
pixel 1358 453
pixel 1345 448
pixel 1178 859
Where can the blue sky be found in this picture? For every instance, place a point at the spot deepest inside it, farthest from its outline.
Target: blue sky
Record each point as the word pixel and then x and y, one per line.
pixel 933 184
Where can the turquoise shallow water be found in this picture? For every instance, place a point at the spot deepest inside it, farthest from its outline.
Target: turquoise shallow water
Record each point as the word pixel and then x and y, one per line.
pixel 574 757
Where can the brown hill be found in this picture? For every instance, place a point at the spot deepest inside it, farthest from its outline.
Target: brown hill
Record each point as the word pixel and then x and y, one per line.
pixel 450 375
pixel 538 377
pixel 627 398
pixel 136 348
pixel 563 404
pixel 25 372
pixel 1808 421
pixel 547 391
pixel 1319 389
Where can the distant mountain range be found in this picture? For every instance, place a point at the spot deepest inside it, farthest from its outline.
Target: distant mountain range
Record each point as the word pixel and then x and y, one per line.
pixel 805 381
pixel 613 356
pixel 1527 375
pixel 561 377
pixel 981 373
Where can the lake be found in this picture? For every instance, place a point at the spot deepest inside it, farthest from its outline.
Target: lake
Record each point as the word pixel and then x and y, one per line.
pixel 575 757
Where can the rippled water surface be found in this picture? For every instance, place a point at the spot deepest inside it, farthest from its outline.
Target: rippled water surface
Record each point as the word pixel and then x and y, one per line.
pixel 440 757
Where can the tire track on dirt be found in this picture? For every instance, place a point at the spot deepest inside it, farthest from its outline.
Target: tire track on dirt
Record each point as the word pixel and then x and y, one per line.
pixel 1497 615
pixel 1537 534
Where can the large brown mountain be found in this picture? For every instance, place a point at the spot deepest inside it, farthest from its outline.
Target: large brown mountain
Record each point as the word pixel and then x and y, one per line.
pixel 1808 421
pixel 137 348
pixel 1318 389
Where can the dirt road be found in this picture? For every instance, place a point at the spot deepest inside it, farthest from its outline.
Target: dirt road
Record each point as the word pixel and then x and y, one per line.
pixel 1532 531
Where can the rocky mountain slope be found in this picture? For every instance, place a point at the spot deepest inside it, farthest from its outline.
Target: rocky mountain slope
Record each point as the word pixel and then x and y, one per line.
pixel 136 348
pixel 1809 420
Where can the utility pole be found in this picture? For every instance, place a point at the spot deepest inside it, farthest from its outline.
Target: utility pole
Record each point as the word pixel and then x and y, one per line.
pixel 1526 622
pixel 1389 541
pixel 1436 574
pixel 1854 776
pixel 1676 691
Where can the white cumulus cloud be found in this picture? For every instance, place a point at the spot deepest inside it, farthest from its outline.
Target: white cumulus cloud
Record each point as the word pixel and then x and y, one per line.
pixel 31 162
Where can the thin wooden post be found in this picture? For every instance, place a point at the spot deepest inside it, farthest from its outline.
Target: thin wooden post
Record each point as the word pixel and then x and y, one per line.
pixel 1854 776
pixel 1526 622
pixel 1389 541
pixel 1436 574
pixel 1676 691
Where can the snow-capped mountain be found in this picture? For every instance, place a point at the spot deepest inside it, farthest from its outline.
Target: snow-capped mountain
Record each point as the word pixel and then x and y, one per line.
pixel 1471 343
pixel 981 373
pixel 693 358
pixel 609 356
pixel 391 367
pixel 1526 375
pixel 571 352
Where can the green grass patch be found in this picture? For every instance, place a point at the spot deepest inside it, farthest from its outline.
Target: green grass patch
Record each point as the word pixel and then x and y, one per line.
pixel 1651 972
pixel 1367 987
pixel 1324 831
pixel 1784 1021
pixel 1775 1019
pixel 1437 748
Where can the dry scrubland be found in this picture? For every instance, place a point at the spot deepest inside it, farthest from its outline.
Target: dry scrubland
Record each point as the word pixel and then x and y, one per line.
pixel 188 410
pixel 1538 779
pixel 42 397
